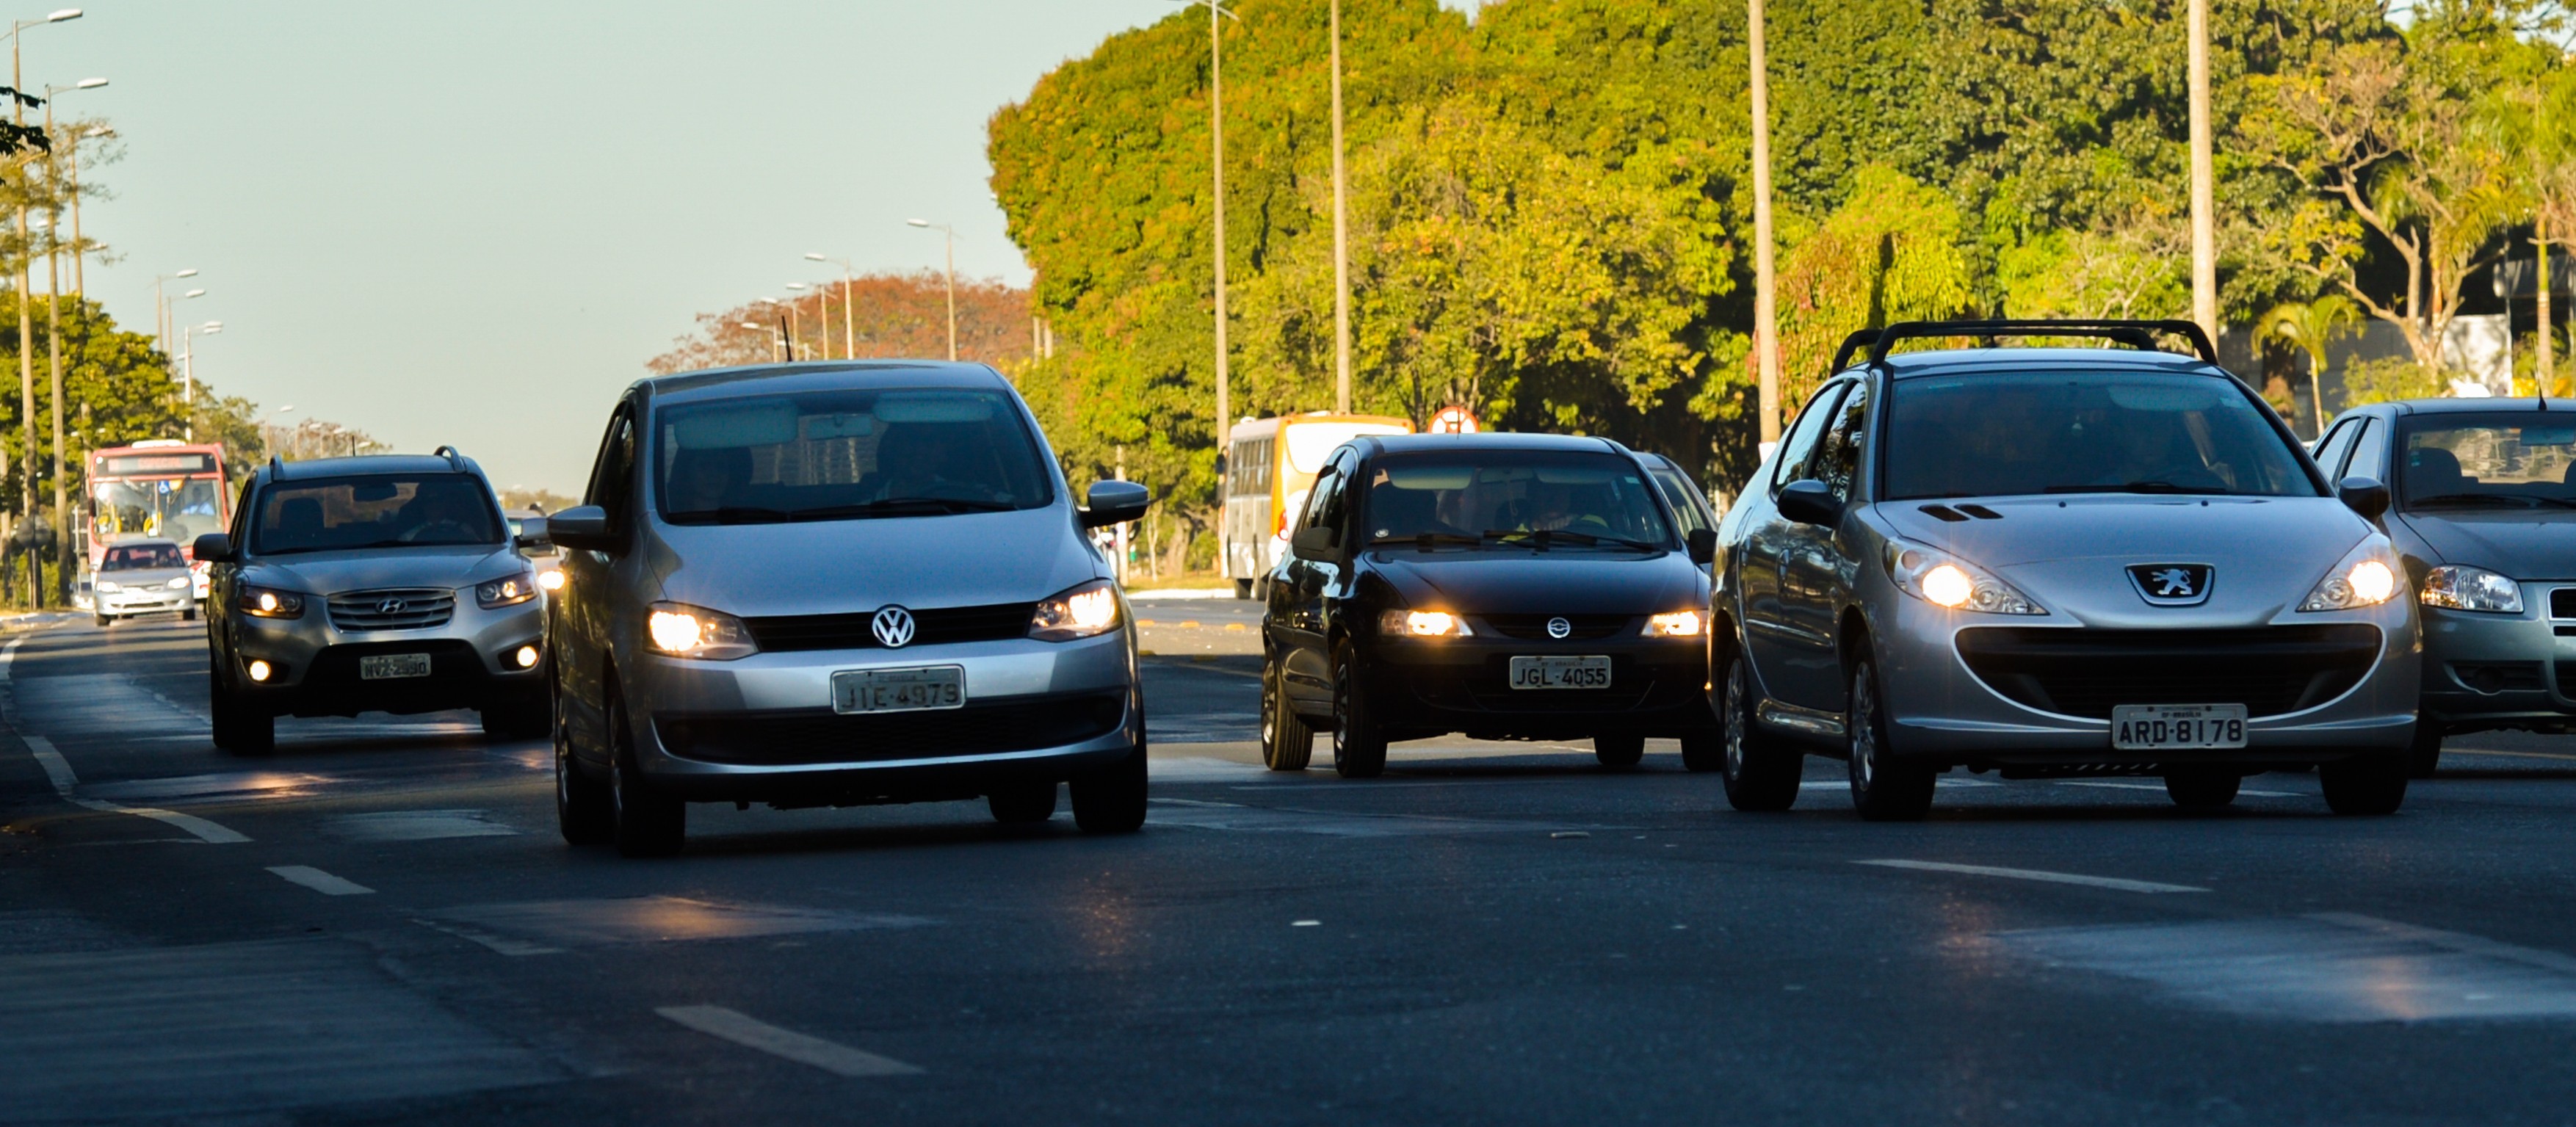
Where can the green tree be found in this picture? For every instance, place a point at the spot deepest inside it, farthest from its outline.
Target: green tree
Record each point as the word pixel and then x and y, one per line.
pixel 2311 327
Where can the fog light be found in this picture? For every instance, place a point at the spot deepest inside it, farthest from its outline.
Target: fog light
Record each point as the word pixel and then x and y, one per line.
pixel 527 657
pixel 259 671
pixel 550 580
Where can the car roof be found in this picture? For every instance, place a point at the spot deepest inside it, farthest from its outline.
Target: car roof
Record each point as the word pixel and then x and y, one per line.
pixel 1488 440
pixel 143 542
pixel 1955 361
pixel 369 464
pixel 820 375
pixel 2448 405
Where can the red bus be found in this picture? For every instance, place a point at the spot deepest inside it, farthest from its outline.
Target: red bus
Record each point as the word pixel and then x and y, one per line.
pixel 159 489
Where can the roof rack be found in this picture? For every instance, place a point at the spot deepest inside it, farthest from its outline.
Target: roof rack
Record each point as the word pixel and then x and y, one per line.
pixel 275 467
pixel 2135 334
pixel 449 452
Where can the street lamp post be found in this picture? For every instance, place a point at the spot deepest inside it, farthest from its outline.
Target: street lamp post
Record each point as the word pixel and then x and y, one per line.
pixel 849 297
pixel 822 318
pixel 161 306
pixel 951 232
pixel 1341 240
pixel 2204 206
pixel 188 369
pixel 54 347
pixel 26 316
pixel 788 329
pixel 1216 197
pixel 772 330
pixel 80 252
pixel 1766 310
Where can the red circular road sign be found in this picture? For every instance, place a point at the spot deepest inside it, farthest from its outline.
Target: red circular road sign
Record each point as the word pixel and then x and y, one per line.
pixel 1452 419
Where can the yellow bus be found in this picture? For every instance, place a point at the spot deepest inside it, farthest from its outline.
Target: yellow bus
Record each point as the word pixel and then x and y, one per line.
pixel 1269 466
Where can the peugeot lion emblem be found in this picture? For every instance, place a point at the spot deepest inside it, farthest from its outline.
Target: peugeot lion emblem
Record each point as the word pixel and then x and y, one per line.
pixel 390 606
pixel 893 627
pixel 1559 628
pixel 2172 585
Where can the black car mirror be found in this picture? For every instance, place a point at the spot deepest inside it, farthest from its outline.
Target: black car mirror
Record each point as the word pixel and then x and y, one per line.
pixel 1810 502
pixel 1703 545
pixel 1114 502
pixel 213 547
pixel 582 526
pixel 1315 541
pixel 2363 495
pixel 534 532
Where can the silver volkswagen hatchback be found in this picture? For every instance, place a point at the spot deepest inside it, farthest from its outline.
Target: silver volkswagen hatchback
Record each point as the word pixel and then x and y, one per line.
pixel 2057 561
pixel 838 584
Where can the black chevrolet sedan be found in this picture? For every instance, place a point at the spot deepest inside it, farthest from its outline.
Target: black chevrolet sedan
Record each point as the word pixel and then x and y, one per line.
pixel 1505 586
pixel 2485 520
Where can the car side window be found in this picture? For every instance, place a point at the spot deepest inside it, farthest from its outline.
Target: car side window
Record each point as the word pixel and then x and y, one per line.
pixel 241 514
pixel 612 478
pixel 2337 442
pixel 1330 506
pixel 2369 454
pixel 1837 458
pixel 1801 439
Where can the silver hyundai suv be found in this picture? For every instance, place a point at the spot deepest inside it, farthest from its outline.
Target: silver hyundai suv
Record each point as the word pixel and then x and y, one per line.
pixel 385 583
pixel 838 584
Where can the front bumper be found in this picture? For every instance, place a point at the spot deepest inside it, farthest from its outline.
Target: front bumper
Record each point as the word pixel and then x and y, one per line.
pixel 762 729
pixel 315 666
pixel 2484 670
pixel 156 599
pixel 1430 686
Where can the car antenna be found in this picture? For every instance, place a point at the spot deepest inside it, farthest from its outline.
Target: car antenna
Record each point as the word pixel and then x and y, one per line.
pixel 275 467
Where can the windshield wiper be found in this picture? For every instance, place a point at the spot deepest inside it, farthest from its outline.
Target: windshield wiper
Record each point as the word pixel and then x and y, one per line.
pixel 2137 487
pixel 1426 540
pixel 1547 537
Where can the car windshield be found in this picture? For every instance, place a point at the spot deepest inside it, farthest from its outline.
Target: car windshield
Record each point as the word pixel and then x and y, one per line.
pixel 2521 460
pixel 137 557
pixel 1544 499
pixel 375 511
pixel 2008 433
pixel 177 508
pixel 843 455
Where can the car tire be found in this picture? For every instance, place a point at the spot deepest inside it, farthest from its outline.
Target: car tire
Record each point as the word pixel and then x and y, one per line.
pixel 643 821
pixel 1023 804
pixel 1112 800
pixel 1760 771
pixel 2424 756
pixel 584 810
pixel 240 728
pixel 2203 789
pixel 2369 783
pixel 220 711
pixel 104 621
pixel 1287 744
pixel 188 615
pixel 1884 788
pixel 1619 752
pixel 1359 744
pixel 1243 588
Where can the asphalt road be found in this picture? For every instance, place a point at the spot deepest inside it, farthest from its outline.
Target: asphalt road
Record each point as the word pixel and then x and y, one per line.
pixel 378 924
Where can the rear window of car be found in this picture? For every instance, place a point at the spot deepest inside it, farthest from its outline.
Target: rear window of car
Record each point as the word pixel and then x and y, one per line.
pixel 2503 460
pixel 843 455
pixel 136 557
pixel 374 511
pixel 1991 434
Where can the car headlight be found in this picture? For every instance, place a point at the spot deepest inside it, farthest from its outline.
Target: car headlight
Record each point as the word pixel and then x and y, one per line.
pixel 108 587
pixel 1422 624
pixel 551 580
pixel 2470 588
pixel 181 583
pixel 1083 612
pixel 1944 580
pixel 686 631
pixel 269 602
pixel 2365 577
pixel 506 592
pixel 1678 624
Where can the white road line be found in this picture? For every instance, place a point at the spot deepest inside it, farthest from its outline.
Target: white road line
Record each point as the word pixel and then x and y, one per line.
pixel 59 771
pixel 9 656
pixel 2032 874
pixel 2452 941
pixel 320 881
pixel 832 1057
pixel 514 948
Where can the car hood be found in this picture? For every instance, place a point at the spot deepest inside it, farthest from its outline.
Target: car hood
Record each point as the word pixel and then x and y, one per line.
pixel 2266 553
pixel 1513 581
pixel 846 566
pixel 329 573
pixel 2524 545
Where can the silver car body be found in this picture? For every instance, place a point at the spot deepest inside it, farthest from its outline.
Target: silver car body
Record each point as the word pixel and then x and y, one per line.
pixel 126 592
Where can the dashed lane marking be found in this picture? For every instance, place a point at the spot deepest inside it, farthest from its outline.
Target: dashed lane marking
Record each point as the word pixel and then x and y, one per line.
pixel 2115 883
pixel 59 772
pixel 320 881
pixel 749 1032
pixel 514 948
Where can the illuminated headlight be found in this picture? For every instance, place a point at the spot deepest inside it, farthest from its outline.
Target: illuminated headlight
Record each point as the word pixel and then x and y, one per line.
pixel 1945 580
pixel 525 656
pixel 1086 611
pixel 506 592
pixel 1678 624
pixel 259 670
pixel 181 584
pixel 2470 588
pixel 269 602
pixel 550 580
pixel 686 631
pixel 2366 577
pixel 108 587
pixel 1423 624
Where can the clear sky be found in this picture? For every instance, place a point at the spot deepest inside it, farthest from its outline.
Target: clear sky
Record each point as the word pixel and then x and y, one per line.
pixel 471 222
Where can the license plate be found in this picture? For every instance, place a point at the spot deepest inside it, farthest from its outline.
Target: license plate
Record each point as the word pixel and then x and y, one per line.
pixel 2162 727
pixel 899 690
pixel 377 667
pixel 1560 673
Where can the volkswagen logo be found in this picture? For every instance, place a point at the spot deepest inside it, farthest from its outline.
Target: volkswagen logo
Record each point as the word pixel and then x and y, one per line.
pixel 2172 584
pixel 391 607
pixel 1558 628
pixel 893 627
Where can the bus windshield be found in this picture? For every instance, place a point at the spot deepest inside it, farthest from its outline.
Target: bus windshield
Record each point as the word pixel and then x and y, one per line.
pixel 180 509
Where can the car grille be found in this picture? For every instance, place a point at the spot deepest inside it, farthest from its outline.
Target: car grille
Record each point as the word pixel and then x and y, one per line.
pixel 815 736
pixel 2499 676
pixel 929 628
pixel 2083 672
pixel 1585 626
pixel 2562 603
pixel 415 608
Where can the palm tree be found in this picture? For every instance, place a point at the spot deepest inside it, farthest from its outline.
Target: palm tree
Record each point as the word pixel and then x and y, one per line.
pixel 2310 327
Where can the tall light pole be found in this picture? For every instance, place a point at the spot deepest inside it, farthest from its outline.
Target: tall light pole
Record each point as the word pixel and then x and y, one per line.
pixel 1766 309
pixel 188 369
pixel 1341 239
pixel 1216 197
pixel 822 318
pixel 849 297
pixel 26 316
pixel 772 330
pixel 786 326
pixel 2204 192
pixel 161 306
pixel 54 345
pixel 80 252
pixel 951 232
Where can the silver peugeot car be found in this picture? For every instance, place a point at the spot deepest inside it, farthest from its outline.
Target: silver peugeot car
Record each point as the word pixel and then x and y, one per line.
pixel 838 584
pixel 2052 561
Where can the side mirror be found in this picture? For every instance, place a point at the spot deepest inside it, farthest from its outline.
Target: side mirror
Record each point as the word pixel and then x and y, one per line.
pixel 1810 502
pixel 582 526
pixel 213 547
pixel 534 532
pixel 2363 495
pixel 1315 541
pixel 1703 545
pixel 1114 502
